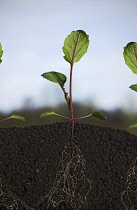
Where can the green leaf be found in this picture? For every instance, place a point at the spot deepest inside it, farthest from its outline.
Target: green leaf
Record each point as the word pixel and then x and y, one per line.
pixel 134 87
pixel 130 56
pixel 17 117
pixel 75 46
pixel 45 114
pixel 99 115
pixel 55 77
pixel 1 52
pixel 67 97
pixel 132 126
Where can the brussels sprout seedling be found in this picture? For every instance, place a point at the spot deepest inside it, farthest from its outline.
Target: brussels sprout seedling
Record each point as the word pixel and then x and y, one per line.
pixel 130 56
pixel 14 116
pixel 75 46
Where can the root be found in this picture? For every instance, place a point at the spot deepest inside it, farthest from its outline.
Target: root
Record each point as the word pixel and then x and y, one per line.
pixel 7 200
pixel 129 195
pixel 10 201
pixel 71 184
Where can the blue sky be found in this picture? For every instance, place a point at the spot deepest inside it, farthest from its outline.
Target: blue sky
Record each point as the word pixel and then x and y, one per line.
pixel 32 34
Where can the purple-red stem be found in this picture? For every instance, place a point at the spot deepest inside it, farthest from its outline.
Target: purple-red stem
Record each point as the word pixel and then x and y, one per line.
pixel 70 91
pixel 70 101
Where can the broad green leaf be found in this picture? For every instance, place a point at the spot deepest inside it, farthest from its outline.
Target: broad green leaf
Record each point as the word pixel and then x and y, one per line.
pixel 134 87
pixel 132 126
pixel 17 117
pixel 1 52
pixel 75 46
pixel 45 114
pixel 55 77
pixel 130 56
pixel 99 115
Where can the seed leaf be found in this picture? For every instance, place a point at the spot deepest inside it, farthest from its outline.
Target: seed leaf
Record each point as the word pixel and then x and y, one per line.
pixel 134 87
pixel 1 52
pixel 17 117
pixel 133 126
pixel 130 56
pixel 99 115
pixel 55 77
pixel 75 46
pixel 45 114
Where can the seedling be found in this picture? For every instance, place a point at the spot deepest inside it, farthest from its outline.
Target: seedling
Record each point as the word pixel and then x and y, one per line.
pixel 130 56
pixel 75 46
pixel 14 116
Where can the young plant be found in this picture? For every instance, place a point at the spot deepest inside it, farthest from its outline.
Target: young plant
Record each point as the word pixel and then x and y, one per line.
pixel 75 46
pixel 130 56
pixel 14 116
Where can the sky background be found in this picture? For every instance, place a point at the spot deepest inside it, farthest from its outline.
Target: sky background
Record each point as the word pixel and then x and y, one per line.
pixel 32 34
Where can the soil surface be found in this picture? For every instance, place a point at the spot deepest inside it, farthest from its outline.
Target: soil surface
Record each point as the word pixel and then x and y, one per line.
pixel 43 168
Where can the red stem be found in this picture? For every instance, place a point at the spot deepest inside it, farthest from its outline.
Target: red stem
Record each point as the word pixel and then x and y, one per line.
pixel 70 102
pixel 78 118
pixel 70 90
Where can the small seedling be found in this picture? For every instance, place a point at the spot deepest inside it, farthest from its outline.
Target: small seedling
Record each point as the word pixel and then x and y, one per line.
pixel 130 56
pixel 14 116
pixel 75 46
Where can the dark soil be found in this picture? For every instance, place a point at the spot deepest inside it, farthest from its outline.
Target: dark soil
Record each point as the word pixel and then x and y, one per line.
pixel 42 167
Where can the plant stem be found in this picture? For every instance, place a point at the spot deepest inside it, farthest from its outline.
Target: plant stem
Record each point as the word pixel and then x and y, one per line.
pixel 83 117
pixel 62 116
pixel 70 101
pixel 70 88
pixel 5 119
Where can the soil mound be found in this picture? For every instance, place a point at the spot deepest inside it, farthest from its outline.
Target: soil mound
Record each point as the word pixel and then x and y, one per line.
pixel 43 168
